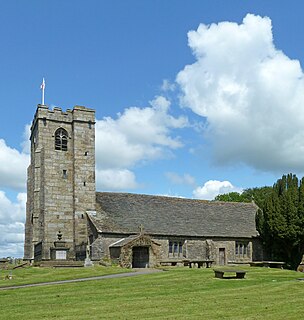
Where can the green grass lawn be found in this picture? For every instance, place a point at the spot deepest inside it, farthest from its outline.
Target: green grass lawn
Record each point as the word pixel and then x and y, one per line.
pixel 36 275
pixel 179 293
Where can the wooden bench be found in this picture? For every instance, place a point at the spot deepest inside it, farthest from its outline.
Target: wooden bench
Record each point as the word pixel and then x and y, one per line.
pixel 200 263
pixel 237 274
pixel 171 262
pixel 187 262
pixel 268 264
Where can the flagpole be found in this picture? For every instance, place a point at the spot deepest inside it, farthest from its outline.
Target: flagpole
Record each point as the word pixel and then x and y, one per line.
pixel 43 96
pixel 42 88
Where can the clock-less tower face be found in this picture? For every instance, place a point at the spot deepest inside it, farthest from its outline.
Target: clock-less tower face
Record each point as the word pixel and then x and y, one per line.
pixel 61 181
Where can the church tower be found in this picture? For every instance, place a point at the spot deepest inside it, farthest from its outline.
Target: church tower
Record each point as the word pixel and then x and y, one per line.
pixel 61 184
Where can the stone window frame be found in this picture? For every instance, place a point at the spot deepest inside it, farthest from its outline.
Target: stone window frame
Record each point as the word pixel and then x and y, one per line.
pixel 176 248
pixel 61 139
pixel 242 249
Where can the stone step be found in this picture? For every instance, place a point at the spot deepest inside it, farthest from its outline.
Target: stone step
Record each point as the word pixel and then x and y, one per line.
pixel 60 264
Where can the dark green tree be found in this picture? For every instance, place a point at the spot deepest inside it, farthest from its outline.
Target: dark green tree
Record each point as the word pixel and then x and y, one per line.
pixel 281 221
pixel 230 197
pixel 258 195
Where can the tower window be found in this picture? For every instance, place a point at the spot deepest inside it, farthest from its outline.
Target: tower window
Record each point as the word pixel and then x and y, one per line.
pixel 61 140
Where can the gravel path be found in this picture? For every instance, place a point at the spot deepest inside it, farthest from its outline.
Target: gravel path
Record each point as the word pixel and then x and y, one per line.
pixel 110 276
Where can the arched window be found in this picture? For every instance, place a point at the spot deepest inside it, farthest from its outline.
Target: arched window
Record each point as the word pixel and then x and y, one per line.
pixel 61 140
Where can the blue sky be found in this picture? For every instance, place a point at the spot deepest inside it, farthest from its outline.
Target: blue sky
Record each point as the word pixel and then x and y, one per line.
pixel 192 98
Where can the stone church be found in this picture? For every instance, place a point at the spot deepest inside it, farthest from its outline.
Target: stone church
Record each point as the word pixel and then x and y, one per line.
pixel 68 221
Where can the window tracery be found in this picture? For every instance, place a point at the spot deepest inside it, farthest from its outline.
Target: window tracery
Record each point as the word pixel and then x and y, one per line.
pixel 61 140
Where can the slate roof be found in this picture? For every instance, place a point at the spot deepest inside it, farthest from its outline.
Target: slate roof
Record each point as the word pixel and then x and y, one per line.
pixel 122 242
pixel 125 212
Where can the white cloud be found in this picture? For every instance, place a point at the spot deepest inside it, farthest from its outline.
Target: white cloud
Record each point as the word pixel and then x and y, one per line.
pixel 11 212
pixel 212 188
pixel 12 217
pixel 167 86
pixel 26 143
pixel 251 94
pixel 180 179
pixel 116 179
pixel 12 240
pixel 13 167
pixel 137 135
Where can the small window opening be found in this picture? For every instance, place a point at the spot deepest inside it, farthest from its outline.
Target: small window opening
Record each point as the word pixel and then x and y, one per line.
pixel 90 125
pixel 82 216
pixel 180 247
pixel 64 174
pixel 86 153
pixel 175 247
pixel 84 183
pixel 44 121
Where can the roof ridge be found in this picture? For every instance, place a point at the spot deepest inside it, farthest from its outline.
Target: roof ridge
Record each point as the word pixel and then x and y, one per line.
pixel 173 198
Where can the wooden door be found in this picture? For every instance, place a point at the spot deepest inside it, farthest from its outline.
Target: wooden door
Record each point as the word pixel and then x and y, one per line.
pixel 222 256
pixel 140 257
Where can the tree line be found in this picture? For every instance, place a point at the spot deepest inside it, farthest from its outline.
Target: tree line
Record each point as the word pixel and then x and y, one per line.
pixel 280 217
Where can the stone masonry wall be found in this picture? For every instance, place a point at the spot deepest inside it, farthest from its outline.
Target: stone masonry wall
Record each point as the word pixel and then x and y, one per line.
pixel 100 247
pixel 193 248
pixel 57 195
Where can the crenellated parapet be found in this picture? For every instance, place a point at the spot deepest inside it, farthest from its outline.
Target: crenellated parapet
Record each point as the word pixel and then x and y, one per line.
pixel 77 114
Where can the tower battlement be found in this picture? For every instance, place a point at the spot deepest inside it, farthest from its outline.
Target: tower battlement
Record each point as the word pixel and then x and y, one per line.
pixel 78 113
